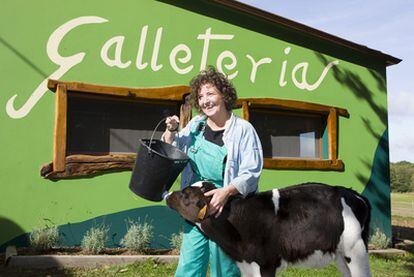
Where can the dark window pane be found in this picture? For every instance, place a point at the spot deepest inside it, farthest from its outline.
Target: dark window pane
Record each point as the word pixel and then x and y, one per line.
pixel 287 134
pixel 102 125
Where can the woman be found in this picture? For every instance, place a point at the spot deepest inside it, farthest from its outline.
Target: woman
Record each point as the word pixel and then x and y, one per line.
pixel 223 149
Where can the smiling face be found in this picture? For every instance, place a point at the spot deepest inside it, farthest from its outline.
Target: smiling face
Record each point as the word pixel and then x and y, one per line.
pixel 211 101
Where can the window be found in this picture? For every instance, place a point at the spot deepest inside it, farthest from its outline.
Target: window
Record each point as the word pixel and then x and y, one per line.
pixel 99 125
pixel 289 135
pixel 295 135
pixel 97 128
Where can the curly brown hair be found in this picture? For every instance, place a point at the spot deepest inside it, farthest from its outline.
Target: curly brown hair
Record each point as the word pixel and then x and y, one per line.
pixel 219 80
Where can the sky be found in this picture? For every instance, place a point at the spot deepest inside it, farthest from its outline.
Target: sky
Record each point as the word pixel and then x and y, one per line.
pixel 384 25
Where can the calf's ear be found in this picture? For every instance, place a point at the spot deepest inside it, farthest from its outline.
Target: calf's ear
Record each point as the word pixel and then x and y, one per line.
pixel 207 186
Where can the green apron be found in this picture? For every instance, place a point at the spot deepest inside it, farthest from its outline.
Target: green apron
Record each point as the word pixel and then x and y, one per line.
pixel 207 161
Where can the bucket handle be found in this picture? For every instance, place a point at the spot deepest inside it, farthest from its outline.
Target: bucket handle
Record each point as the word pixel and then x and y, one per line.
pixel 155 129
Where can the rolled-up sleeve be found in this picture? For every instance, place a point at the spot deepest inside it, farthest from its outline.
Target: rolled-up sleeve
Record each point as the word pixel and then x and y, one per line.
pixel 249 162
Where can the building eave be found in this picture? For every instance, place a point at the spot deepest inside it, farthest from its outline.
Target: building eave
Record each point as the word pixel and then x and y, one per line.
pixel 309 31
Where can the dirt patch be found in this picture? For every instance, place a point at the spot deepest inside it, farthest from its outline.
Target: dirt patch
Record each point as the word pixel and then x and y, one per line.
pixel 403 228
pixel 403 233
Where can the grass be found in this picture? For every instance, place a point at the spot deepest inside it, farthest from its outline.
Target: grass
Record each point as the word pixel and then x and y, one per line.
pixel 149 268
pixel 380 266
pixel 402 204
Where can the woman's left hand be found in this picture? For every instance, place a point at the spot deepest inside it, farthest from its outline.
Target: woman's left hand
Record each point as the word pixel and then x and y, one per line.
pixel 219 198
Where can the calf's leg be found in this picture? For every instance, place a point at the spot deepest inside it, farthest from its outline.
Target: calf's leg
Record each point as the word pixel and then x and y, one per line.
pixel 359 263
pixel 342 265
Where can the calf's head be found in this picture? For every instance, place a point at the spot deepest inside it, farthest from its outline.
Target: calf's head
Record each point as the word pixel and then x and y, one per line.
pixel 191 203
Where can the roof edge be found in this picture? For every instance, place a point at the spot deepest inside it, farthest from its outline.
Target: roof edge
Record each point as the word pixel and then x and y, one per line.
pixel 389 60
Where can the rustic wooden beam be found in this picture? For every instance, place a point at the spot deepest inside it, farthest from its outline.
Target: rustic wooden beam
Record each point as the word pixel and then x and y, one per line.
pixel 185 112
pixel 59 134
pixel 333 134
pixel 97 97
pixel 86 165
pixel 74 170
pixel 245 110
pixel 302 164
pixel 163 93
pixel 81 158
pixel 293 105
pixel 239 103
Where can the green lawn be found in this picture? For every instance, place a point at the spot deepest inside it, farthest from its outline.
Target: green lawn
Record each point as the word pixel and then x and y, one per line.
pixel 402 204
pixel 394 266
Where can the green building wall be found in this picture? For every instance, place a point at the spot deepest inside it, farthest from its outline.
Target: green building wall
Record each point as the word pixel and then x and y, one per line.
pixel 65 40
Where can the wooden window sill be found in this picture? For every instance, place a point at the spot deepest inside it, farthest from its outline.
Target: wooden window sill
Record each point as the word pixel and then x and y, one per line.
pixel 86 165
pixel 303 164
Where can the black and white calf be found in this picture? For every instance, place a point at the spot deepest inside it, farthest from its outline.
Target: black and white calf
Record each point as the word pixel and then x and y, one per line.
pixel 304 225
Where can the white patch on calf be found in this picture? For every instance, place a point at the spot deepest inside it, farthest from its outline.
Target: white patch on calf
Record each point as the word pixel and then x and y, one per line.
pixel 317 259
pixel 275 199
pixel 198 184
pixel 352 228
pixel 249 269
pixel 352 245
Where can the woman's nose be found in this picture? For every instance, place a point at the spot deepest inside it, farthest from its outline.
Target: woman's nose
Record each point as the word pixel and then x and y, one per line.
pixel 204 101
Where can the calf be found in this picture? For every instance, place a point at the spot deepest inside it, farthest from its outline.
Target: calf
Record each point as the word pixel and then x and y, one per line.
pixel 304 225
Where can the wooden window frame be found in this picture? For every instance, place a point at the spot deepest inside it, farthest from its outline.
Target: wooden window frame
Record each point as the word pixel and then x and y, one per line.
pixel 332 114
pixel 69 166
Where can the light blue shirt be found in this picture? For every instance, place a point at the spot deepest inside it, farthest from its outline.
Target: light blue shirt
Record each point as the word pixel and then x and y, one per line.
pixel 244 154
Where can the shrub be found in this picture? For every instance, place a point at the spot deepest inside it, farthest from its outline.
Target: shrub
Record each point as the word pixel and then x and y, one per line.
pixel 44 238
pixel 176 240
pixel 379 240
pixel 138 236
pixel 95 239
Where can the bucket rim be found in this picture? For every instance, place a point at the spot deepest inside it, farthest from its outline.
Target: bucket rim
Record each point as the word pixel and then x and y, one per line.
pixel 158 153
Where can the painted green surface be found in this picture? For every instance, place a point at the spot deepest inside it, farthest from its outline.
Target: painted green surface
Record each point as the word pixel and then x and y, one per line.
pixel 378 189
pixel 356 83
pixel 164 220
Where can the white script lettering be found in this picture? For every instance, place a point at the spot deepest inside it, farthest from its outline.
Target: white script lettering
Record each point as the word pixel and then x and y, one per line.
pixel 180 59
pixel 65 64
pixel 185 59
pixel 207 36
pixel 231 66
pixel 255 65
pixel 118 42
pixel 304 84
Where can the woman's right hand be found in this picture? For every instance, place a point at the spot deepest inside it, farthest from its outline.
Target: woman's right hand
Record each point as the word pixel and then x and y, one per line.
pixel 172 123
